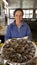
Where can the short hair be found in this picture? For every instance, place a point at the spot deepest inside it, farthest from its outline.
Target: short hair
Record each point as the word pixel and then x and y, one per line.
pixel 18 9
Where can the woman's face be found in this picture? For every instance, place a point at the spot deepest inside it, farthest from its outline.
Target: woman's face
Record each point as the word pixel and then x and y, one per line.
pixel 18 16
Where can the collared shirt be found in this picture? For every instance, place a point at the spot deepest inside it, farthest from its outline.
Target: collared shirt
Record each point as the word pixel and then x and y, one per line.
pixel 17 32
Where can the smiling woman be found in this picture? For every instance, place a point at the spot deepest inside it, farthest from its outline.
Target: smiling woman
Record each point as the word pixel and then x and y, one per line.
pixel 18 28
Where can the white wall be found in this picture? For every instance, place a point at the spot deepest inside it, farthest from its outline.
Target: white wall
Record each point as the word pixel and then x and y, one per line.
pixel 28 3
pixel 25 3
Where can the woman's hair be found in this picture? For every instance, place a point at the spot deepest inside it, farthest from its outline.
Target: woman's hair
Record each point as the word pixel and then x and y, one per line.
pixel 18 9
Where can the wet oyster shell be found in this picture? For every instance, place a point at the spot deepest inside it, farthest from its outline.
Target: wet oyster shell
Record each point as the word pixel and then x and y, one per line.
pixel 18 50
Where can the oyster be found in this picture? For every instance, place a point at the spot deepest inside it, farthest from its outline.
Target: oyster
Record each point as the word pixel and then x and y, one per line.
pixel 18 50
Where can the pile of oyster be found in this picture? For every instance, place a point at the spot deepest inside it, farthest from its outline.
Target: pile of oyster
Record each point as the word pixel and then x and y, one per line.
pixel 18 50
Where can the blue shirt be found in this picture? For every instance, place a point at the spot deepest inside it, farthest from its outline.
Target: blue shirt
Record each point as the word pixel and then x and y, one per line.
pixel 14 32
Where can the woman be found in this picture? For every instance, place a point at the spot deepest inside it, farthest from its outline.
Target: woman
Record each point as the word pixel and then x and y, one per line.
pixel 18 28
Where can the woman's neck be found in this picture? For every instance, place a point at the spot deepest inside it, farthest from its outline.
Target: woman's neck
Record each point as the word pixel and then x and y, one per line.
pixel 18 23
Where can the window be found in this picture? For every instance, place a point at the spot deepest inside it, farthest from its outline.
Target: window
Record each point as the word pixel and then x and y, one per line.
pixel 11 13
pixel 36 13
pixel 28 13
